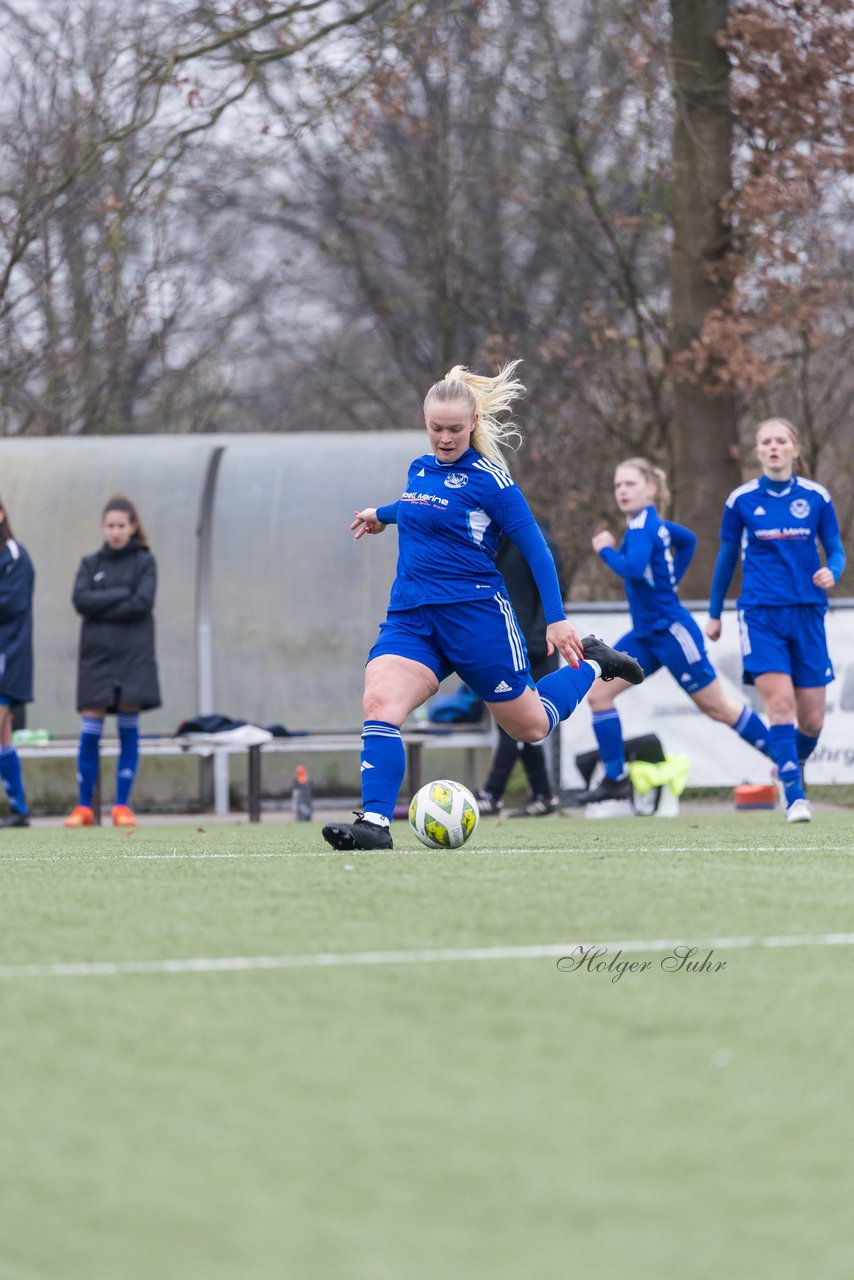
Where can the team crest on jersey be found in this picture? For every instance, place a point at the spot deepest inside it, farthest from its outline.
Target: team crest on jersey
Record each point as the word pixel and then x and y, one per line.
pixel 456 480
pixel 799 508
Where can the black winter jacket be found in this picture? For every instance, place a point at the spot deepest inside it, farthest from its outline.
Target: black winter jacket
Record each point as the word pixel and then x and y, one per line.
pixel 522 590
pixel 114 593
pixel 16 623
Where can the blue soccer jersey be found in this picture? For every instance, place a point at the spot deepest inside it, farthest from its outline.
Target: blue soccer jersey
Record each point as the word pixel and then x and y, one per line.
pixel 450 519
pixel 778 525
pixel 646 562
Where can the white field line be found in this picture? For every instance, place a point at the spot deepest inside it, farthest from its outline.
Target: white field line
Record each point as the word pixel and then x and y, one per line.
pixel 459 955
pixel 358 854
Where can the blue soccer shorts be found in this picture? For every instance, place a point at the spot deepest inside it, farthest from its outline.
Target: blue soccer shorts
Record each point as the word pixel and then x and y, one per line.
pixel 680 648
pixel 479 639
pixel 787 638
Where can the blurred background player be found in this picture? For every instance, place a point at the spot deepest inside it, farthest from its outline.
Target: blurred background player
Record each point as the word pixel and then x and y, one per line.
pixel 776 522
pixel 536 757
pixel 449 610
pixel 16 661
pixel 652 557
pixel 117 668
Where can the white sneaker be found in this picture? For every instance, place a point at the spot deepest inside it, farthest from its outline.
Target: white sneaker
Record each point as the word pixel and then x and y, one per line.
pixel 799 811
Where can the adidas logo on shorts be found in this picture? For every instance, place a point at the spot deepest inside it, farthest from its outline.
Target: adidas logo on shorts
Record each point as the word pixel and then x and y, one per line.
pixel 503 687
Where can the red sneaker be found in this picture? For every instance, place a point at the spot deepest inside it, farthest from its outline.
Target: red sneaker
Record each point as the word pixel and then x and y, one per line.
pixel 80 816
pixel 123 816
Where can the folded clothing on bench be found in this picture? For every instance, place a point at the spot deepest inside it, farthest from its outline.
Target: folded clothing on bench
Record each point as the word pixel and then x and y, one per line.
pixel 240 732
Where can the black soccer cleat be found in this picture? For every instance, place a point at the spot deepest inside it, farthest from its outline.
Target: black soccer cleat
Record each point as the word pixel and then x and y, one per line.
pixel 15 819
pixel 357 835
pixel 539 806
pixel 488 804
pixel 608 789
pixel 615 664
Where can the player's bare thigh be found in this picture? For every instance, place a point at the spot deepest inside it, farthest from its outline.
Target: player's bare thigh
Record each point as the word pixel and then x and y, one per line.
pixel 523 718
pixel 784 704
pixel 395 686
pixel 714 703
pixel 810 704
pixel 778 696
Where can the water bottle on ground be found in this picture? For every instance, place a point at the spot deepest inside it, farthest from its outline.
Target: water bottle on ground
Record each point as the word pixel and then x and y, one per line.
pixel 301 795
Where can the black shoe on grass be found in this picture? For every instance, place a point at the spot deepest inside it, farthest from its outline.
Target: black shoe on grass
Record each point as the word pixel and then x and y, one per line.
pixel 357 835
pixel 615 664
pixel 608 789
pixel 488 804
pixel 15 819
pixel 537 807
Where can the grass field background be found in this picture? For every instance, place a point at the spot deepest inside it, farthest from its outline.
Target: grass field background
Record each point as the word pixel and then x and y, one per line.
pixel 387 1115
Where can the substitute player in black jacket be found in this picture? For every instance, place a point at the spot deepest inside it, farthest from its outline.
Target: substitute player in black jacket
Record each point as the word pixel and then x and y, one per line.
pixel 528 607
pixel 117 667
pixel 16 661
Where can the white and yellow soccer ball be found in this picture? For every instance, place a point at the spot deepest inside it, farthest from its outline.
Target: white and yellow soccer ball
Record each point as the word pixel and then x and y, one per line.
pixel 443 814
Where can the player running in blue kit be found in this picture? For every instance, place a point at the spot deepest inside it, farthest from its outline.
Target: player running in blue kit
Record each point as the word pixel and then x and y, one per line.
pixel 449 609
pixel 775 523
pixel 652 557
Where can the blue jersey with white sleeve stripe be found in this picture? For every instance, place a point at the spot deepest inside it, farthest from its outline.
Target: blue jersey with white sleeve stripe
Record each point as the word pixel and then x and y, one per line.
pixel 450 519
pixel 778 525
pixel 647 565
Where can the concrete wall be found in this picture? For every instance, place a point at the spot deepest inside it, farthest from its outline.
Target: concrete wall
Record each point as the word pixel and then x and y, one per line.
pixel 294 603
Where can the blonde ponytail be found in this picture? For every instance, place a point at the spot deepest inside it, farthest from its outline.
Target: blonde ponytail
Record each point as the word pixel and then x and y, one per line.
pixel 488 398
pixel 653 475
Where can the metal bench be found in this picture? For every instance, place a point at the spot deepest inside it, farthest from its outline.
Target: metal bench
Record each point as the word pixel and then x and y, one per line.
pixel 471 739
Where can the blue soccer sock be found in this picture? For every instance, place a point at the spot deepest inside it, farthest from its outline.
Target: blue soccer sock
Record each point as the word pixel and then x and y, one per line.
pixel 383 768
pixel 805 746
pixel 562 690
pixel 88 758
pixel 13 781
pixel 126 767
pixel 609 735
pixel 783 751
pixel 754 730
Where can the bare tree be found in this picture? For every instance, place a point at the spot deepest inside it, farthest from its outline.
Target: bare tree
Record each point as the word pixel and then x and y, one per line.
pixel 114 301
pixel 291 216
pixel 704 414
pixel 489 200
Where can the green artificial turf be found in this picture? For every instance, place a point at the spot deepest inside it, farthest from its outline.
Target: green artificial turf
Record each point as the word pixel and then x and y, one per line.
pixel 396 1114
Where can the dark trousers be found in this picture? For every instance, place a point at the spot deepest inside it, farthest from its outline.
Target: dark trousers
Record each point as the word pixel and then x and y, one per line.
pixel 536 758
